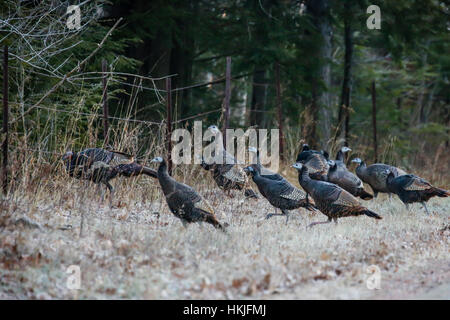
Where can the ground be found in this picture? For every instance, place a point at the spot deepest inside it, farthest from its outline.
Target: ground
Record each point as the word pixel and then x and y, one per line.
pixel 139 250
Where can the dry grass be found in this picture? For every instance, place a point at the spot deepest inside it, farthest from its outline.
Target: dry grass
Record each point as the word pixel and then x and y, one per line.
pixel 132 253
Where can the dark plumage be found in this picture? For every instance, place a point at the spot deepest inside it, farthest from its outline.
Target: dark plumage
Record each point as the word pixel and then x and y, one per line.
pixel 325 154
pixel 183 201
pixel 264 172
pixel 340 156
pixel 376 174
pixel 330 199
pixel 410 188
pixel 100 166
pixel 228 175
pixel 348 181
pixel 315 161
pixel 280 193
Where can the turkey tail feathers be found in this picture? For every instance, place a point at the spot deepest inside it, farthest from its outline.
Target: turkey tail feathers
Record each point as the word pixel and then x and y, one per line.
pixel 365 195
pixel 371 214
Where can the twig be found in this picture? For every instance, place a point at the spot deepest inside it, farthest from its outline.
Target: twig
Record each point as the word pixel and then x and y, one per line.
pixel 78 67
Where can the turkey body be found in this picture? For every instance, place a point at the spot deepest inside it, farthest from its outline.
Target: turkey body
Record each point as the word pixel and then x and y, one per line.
pixel 330 199
pixel 376 174
pixel 348 181
pixel 280 193
pixel 230 176
pixel 315 161
pixel 410 188
pixel 100 166
pixel 264 172
pixel 183 201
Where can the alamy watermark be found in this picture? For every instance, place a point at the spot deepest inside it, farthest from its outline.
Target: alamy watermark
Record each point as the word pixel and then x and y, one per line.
pixel 74 16
pixel 74 19
pixel 189 147
pixel 373 282
pixel 73 281
pixel 374 20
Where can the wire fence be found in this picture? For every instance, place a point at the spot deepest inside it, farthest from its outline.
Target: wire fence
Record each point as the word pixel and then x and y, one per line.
pixel 91 81
pixel 102 79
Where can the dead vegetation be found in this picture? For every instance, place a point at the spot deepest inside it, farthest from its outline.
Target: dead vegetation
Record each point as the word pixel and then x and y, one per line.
pixel 138 250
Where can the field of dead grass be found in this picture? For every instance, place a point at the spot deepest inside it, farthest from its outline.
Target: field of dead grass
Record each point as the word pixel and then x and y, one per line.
pixel 138 250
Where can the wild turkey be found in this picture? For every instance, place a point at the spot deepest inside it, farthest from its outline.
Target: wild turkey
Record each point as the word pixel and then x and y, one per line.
pixel 280 193
pixel 410 188
pixel 330 199
pixel 264 172
pixel 228 175
pixel 100 166
pixel 376 174
pixel 346 180
pixel 340 156
pixel 183 201
pixel 315 161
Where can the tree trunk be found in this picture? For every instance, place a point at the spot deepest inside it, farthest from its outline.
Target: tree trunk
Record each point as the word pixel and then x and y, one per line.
pixel 344 107
pixel 310 120
pixel 399 110
pixel 279 108
pixel 374 121
pixel 320 102
pixel 258 97
pixel 182 57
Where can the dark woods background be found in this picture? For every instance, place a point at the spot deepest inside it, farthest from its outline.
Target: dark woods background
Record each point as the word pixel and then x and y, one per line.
pixel 330 67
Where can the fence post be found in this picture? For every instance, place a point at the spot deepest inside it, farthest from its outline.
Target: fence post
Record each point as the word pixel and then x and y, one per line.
pixel 169 123
pixel 374 121
pixel 279 108
pixel 5 122
pixel 105 103
pixel 226 103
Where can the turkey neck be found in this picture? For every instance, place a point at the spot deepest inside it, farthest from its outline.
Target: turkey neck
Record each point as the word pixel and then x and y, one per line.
pixel 257 177
pixel 305 181
pixel 333 169
pixel 361 168
pixel 340 156
pixel 165 180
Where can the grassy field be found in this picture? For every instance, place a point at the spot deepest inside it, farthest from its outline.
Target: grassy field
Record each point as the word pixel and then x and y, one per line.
pixel 138 250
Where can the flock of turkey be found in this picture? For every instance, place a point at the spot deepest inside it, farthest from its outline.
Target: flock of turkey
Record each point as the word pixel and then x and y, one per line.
pixel 328 185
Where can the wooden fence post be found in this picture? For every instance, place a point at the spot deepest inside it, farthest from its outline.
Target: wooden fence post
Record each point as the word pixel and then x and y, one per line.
pixel 226 103
pixel 169 124
pixel 5 122
pixel 105 103
pixel 374 121
pixel 279 109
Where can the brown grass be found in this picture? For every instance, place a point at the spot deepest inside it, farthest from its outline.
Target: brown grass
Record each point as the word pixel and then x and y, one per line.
pixel 138 250
pixel 130 252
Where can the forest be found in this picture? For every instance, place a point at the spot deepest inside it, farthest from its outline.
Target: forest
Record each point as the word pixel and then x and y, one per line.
pixel 370 75
pixel 312 68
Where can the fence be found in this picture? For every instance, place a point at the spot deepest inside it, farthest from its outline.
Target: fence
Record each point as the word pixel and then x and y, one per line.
pixel 106 76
